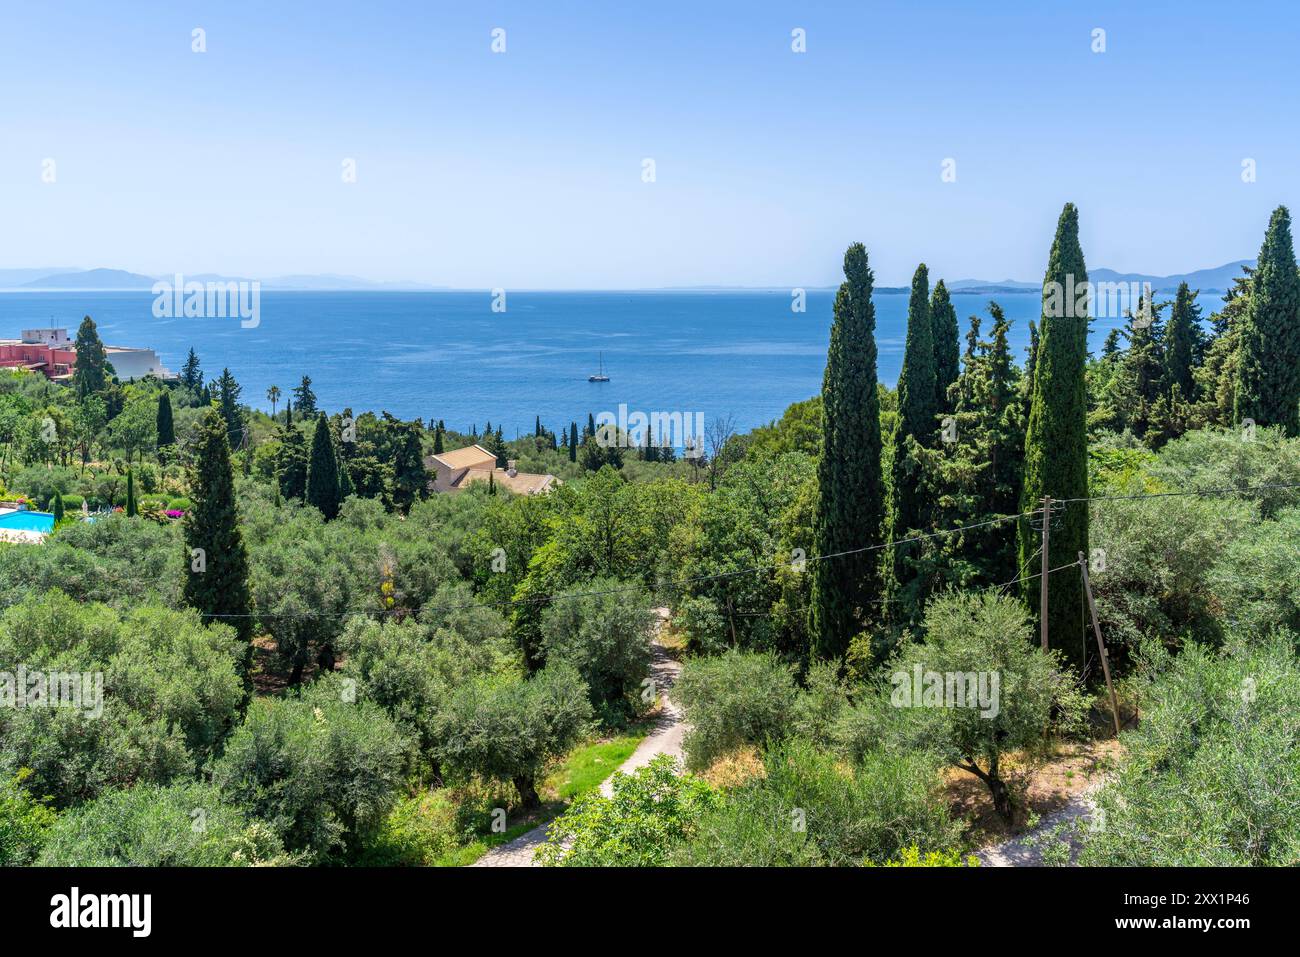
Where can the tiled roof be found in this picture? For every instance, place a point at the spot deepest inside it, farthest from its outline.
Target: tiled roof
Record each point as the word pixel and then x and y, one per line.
pixel 471 457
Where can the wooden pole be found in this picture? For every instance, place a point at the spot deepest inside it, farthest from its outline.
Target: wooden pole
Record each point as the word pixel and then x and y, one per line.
pixel 1101 645
pixel 1042 585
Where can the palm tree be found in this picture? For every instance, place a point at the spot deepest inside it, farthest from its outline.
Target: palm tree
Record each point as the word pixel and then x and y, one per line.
pixel 273 394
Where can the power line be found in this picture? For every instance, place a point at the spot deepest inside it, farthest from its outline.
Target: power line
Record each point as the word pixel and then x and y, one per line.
pixel 670 583
pixel 757 569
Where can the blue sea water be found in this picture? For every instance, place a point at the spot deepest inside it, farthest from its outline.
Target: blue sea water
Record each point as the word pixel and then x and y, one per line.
pixel 447 355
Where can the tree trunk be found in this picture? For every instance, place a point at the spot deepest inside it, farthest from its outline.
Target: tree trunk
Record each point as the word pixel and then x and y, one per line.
pixel 1001 799
pixel 528 797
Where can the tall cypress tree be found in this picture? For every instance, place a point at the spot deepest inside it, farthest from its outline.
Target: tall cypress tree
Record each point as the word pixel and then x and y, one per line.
pixel 917 410
pixel 573 441
pixel 90 374
pixel 850 503
pixel 323 471
pixel 1056 440
pixel 166 429
pixel 1268 370
pixel 437 440
pixel 216 583
pixel 131 509
pixel 943 318
pixel 1183 342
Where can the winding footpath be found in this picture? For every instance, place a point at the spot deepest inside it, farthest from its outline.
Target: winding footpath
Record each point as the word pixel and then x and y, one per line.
pixel 666 738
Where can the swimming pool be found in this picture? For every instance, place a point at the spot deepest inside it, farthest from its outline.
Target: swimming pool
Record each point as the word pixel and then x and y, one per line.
pixel 28 521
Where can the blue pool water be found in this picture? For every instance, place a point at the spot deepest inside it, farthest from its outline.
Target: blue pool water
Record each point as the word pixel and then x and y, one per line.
pixel 28 521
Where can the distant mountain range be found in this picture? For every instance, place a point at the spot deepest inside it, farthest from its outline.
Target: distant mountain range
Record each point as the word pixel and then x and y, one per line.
pixel 1218 279
pixel 67 279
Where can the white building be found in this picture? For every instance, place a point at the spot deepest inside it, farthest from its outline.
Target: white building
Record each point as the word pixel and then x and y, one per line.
pixel 136 363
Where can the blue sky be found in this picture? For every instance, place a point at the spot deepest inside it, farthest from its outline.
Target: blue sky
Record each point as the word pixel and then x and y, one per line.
pixel 524 169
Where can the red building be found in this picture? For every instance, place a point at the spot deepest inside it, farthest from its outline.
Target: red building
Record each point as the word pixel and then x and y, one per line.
pixel 55 361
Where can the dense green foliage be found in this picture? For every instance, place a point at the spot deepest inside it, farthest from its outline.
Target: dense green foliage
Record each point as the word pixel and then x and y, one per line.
pixel 353 670
pixel 650 812
pixel 1212 776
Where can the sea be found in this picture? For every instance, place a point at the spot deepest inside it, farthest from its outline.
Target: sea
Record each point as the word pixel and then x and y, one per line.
pixel 469 358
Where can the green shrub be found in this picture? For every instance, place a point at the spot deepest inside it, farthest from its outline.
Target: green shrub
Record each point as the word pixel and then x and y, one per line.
pixel 185 825
pixel 912 857
pixel 160 690
pixel 322 770
pixel 40 483
pixel 650 812
pixel 416 833
pixel 734 699
pixel 1255 576
pixel 24 821
pixel 810 808
pixel 1211 777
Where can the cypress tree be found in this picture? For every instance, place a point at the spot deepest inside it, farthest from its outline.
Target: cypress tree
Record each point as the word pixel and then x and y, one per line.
pixel 943 317
pixel 573 441
pixel 537 428
pixel 1268 370
pixel 166 429
pixel 850 503
pixel 57 507
pixel 90 374
pixel 216 583
pixel 130 494
pixel 291 464
pixel 917 411
pixel 437 440
pixel 1056 441
pixel 323 471
pixel 1183 344
pixel 591 424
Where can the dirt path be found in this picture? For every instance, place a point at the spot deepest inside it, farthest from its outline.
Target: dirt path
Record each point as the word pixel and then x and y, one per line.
pixel 1018 852
pixel 666 738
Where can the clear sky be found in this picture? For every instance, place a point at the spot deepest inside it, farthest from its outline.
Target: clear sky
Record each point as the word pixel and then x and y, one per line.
pixel 524 169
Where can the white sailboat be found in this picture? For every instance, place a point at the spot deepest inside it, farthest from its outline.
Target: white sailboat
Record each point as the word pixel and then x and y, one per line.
pixel 599 376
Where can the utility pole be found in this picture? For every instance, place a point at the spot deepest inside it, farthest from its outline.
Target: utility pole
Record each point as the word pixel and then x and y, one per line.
pixel 1042 585
pixel 1101 645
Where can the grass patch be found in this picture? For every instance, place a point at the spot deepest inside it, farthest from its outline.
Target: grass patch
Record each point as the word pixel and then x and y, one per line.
pixel 580 773
pixel 586 767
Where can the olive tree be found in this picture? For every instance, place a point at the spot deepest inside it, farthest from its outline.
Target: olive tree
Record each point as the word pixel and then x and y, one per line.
pixel 508 730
